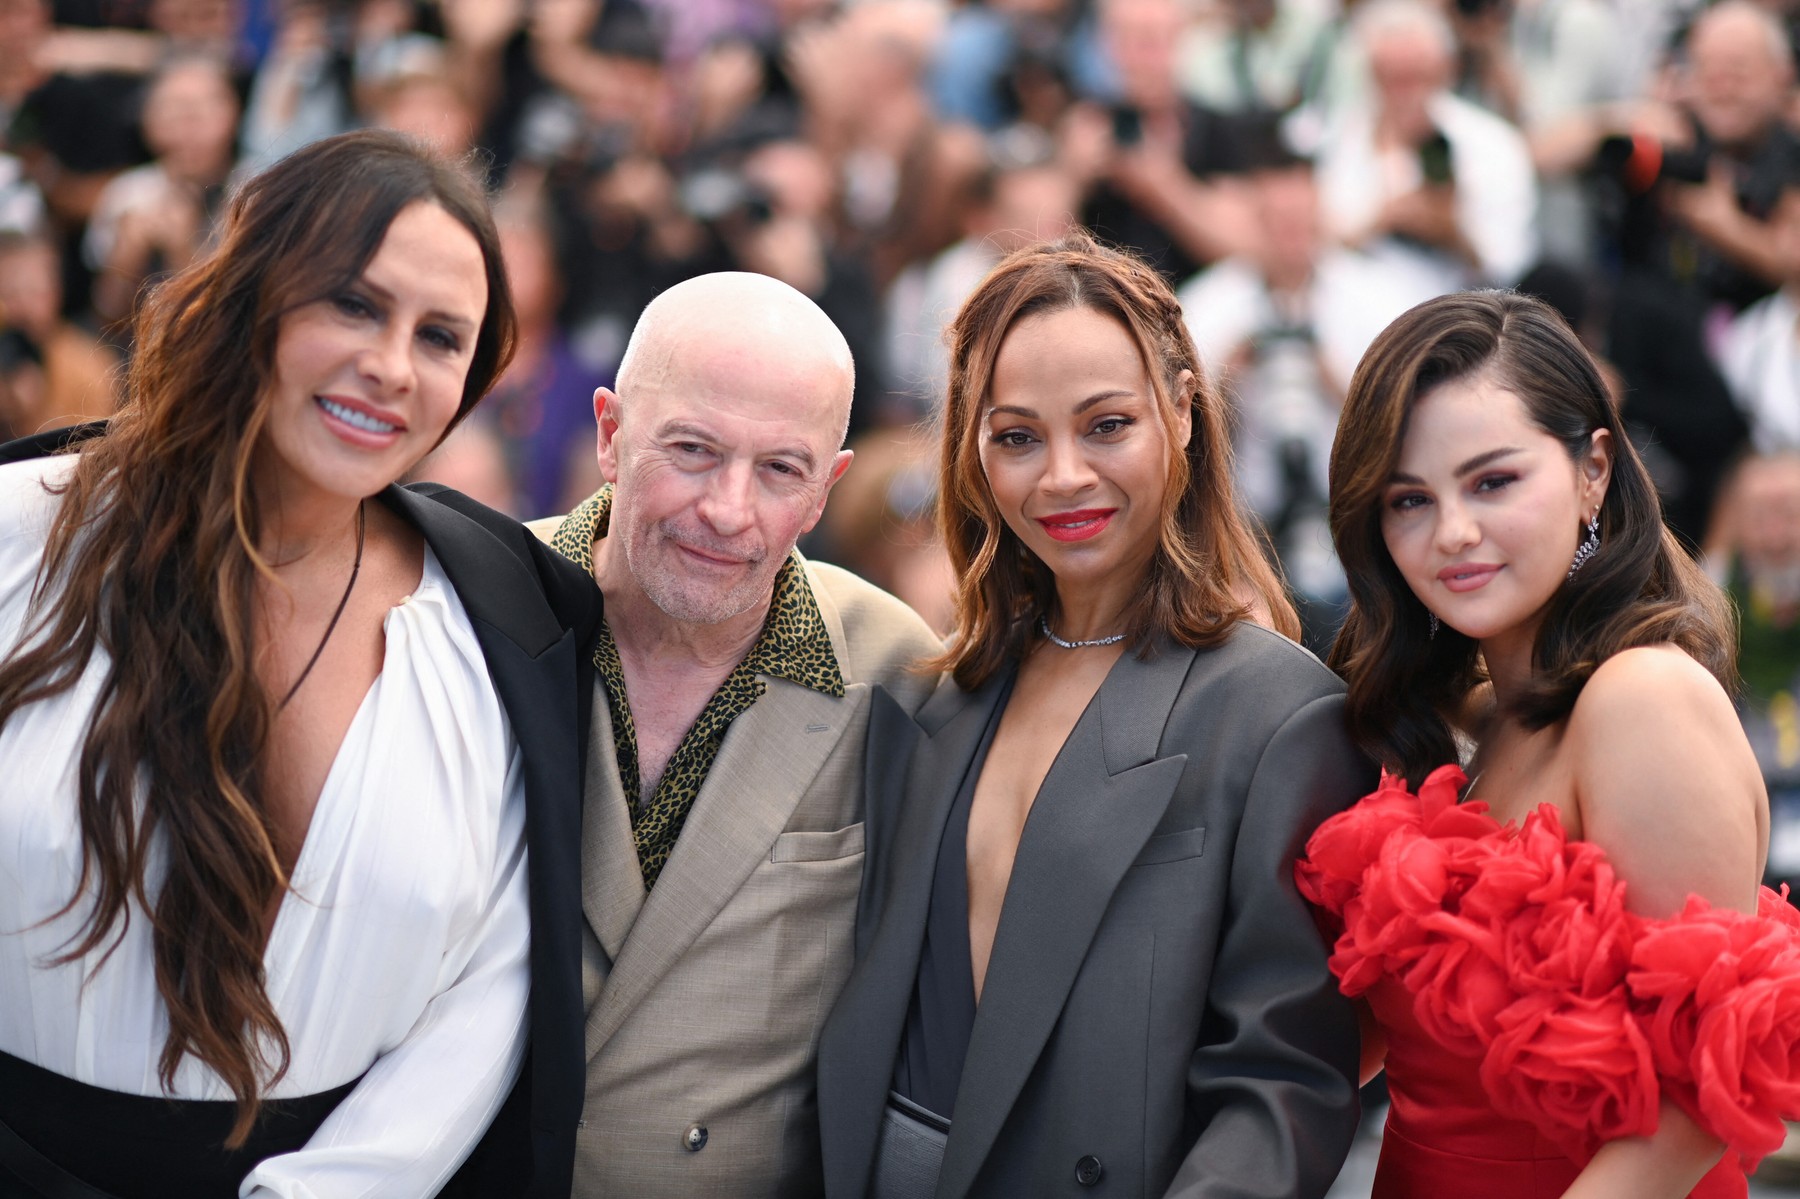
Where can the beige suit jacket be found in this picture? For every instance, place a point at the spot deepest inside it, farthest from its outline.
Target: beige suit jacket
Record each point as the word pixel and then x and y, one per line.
pixel 706 995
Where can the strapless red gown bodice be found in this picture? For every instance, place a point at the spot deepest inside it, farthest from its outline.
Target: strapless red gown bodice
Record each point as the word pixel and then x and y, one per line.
pixel 1529 1017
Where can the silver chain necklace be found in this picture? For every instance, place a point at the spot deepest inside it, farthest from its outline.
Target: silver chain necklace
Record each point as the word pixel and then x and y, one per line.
pixel 1044 625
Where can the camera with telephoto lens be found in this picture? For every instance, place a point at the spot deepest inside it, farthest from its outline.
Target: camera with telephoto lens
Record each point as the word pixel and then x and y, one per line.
pixel 1640 162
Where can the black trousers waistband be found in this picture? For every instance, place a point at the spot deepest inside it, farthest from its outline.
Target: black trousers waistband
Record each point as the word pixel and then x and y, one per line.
pixel 140 1146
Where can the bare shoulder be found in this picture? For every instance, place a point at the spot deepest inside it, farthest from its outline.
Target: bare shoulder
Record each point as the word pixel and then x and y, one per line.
pixel 1639 688
pixel 1665 780
pixel 1653 709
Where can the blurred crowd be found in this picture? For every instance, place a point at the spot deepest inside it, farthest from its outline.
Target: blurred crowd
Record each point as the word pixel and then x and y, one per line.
pixel 1303 170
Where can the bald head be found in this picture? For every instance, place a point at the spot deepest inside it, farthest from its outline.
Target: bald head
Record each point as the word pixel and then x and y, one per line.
pixel 722 440
pixel 1741 70
pixel 736 323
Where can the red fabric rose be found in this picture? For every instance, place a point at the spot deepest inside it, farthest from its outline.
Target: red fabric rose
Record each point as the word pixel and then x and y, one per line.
pixel 1747 1065
pixel 1572 933
pixel 1516 947
pixel 1344 846
pixel 1670 961
pixel 1458 985
pixel 1576 1067
pixel 1723 993
pixel 1775 905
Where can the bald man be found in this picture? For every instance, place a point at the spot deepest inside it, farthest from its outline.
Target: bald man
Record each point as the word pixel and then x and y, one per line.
pixel 722 837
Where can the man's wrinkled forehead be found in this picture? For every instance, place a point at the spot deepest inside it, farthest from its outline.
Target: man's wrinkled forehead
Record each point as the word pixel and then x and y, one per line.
pixel 741 375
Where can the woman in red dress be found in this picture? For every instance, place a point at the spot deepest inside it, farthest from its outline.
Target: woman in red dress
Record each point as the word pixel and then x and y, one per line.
pixel 1572 976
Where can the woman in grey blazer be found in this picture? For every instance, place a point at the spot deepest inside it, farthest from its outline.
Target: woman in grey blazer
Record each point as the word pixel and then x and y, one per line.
pixel 1083 968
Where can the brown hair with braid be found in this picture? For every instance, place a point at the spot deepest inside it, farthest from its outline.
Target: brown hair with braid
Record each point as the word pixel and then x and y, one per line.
pixel 1209 570
pixel 151 560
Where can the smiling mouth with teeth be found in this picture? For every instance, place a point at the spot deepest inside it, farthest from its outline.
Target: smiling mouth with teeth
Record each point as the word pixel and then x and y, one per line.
pixel 355 419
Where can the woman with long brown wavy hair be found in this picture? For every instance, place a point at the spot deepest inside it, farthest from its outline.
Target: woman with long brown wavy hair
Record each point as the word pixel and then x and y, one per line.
pixel 1080 951
pixel 263 902
pixel 1573 979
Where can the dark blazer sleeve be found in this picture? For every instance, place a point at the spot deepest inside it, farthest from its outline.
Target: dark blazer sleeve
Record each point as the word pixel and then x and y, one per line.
pixel 1273 1080
pixel 55 441
pixel 535 614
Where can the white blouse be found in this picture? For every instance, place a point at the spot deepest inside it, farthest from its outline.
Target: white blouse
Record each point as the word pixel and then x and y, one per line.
pixel 401 951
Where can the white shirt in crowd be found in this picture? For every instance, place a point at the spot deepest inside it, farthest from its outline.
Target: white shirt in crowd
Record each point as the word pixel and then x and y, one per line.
pixel 1760 359
pixel 1496 194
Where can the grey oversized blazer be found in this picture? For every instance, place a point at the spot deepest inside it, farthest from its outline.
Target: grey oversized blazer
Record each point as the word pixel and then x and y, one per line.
pixel 1157 1017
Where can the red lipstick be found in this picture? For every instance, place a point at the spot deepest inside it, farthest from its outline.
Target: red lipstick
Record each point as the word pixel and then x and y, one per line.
pixel 1078 525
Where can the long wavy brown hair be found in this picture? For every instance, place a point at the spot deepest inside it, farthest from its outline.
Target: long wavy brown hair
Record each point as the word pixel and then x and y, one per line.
pixel 1409 692
pixel 1209 570
pixel 151 560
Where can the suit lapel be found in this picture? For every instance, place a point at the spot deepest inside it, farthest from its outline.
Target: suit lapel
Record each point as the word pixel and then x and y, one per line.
pixel 765 765
pixel 612 883
pixel 1103 796
pixel 914 771
pixel 494 585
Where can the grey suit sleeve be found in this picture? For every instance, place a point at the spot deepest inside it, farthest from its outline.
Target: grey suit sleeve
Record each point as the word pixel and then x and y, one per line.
pixel 1273 1081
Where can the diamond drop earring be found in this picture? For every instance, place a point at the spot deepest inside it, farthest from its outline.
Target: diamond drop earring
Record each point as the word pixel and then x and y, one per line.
pixel 1432 617
pixel 1587 548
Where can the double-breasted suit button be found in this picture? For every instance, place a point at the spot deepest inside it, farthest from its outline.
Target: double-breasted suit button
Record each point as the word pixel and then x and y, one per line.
pixel 1088 1170
pixel 695 1140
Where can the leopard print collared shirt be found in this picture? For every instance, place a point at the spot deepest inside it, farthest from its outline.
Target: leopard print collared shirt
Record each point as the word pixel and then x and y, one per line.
pixel 794 645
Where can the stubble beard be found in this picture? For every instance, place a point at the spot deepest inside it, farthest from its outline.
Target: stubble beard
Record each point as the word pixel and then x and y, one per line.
pixel 652 562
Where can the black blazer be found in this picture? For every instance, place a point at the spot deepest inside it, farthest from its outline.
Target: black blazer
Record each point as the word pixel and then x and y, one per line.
pixel 535 614
pixel 1157 1016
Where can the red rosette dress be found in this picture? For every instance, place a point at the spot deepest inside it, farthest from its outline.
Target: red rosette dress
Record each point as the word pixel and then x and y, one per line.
pixel 1529 1017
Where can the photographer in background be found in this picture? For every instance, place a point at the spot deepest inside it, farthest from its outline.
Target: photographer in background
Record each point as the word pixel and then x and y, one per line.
pixel 1281 329
pixel 77 378
pixel 153 219
pixel 995 54
pixel 1161 174
pixel 1420 178
pixel 1021 196
pixel 1699 184
pixel 1540 63
pixel 1735 91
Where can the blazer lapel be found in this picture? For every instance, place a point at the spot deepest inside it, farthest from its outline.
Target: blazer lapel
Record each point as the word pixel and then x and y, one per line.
pixel 612 882
pixel 764 766
pixel 914 769
pixel 1104 795
pixel 496 588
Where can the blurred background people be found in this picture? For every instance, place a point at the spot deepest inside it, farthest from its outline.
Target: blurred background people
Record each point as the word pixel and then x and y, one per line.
pixel 1760 350
pixel 1696 247
pixel 152 219
pixel 1281 328
pixel 1420 177
pixel 1754 552
pixel 1160 171
pixel 1022 196
pixel 81 376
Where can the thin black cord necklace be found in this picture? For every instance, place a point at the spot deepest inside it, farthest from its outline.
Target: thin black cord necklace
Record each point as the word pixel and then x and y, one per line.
pixel 355 568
